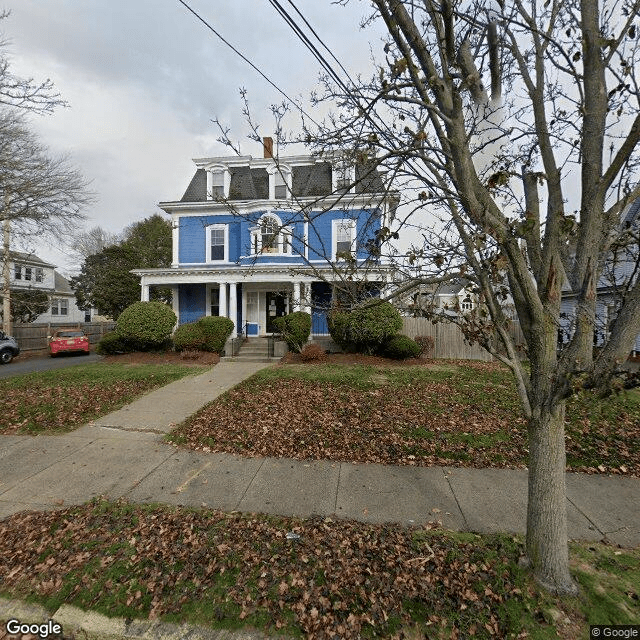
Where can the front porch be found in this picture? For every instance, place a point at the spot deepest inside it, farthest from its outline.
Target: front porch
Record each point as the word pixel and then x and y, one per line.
pixel 252 306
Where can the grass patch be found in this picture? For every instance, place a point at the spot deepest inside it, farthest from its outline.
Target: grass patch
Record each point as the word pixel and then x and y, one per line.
pixel 467 414
pixel 61 400
pixel 340 578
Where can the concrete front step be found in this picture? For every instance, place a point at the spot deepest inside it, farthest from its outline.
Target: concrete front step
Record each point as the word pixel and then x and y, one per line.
pixel 243 358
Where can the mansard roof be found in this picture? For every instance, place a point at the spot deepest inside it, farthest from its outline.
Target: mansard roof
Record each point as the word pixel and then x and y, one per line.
pixel 249 177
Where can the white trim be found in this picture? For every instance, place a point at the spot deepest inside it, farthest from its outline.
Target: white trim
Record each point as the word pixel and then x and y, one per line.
pixel 208 230
pixel 343 222
pixel 233 307
pixel 175 241
pixel 255 234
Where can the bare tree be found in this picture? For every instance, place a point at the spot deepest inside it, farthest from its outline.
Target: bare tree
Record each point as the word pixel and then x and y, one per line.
pixel 41 194
pixel 91 242
pixel 513 128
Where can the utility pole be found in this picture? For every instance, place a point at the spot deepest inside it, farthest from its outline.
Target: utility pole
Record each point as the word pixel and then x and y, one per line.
pixel 6 268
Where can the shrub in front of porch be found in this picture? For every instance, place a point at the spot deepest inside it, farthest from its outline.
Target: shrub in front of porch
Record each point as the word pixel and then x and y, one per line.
pixel 146 325
pixel 189 337
pixel 295 329
pixel 216 331
pixel 365 329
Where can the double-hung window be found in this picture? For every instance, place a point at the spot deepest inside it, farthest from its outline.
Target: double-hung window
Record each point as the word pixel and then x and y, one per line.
pixel 59 307
pixel 39 274
pixel 344 234
pixel 27 273
pixel 218 243
pixel 17 272
pixel 217 184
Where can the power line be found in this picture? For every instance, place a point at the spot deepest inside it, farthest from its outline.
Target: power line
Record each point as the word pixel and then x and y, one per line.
pixel 253 66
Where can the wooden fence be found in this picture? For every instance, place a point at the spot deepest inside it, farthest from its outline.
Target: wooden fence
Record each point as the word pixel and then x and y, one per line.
pixel 450 341
pixel 33 336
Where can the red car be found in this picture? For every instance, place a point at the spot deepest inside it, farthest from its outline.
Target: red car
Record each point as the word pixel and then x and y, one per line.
pixel 68 341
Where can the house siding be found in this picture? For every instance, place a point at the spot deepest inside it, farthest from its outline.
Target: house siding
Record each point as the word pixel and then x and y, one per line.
pixel 193 301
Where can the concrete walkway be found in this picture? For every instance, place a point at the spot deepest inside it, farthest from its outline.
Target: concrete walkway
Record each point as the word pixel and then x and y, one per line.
pixel 122 454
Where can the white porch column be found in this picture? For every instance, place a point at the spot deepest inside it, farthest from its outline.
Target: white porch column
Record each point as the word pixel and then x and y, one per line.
pixel 306 298
pixel 296 296
pixel 233 307
pixel 223 300
pixel 175 301
pixel 144 294
pixel 244 307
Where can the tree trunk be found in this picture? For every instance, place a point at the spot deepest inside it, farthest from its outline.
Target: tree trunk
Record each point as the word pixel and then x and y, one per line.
pixel 546 545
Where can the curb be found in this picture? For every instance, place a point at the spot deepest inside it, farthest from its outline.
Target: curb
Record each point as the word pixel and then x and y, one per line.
pixel 95 626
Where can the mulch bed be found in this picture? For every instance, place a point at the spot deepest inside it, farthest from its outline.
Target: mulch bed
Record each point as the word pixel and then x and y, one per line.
pixel 196 358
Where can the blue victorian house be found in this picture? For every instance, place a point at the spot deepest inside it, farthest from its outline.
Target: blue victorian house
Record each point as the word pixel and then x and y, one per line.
pixel 257 238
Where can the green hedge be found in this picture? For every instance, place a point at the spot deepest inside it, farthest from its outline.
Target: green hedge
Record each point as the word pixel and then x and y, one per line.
pixel 400 347
pixel 365 329
pixel 216 330
pixel 188 337
pixel 112 343
pixel 148 325
pixel 295 329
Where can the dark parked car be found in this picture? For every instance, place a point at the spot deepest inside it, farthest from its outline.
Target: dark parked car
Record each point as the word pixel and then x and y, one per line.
pixel 8 348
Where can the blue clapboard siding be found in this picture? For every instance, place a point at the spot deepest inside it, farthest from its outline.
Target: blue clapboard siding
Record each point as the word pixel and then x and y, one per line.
pixel 193 240
pixel 192 302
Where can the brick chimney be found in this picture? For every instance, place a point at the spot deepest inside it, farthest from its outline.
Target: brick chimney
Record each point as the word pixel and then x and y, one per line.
pixel 267 145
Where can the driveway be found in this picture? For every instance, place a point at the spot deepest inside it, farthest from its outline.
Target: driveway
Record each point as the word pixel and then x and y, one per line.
pixel 33 364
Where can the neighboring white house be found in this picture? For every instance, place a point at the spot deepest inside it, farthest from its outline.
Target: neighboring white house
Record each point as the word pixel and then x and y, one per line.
pixel 29 272
pixel 448 298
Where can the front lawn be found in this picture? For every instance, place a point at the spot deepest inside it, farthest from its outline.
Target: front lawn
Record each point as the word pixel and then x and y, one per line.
pixel 316 578
pixel 453 413
pixel 63 399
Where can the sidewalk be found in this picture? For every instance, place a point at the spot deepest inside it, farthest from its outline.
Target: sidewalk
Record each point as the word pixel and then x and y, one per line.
pixel 122 454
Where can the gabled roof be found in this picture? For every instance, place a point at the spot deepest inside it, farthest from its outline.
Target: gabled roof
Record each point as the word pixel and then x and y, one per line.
pixel 26 258
pixel 61 284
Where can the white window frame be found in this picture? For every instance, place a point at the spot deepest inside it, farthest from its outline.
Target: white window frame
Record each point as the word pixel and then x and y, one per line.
pixel 218 176
pixel 279 176
pixel 335 225
pixel 39 274
pixel 59 307
pixel 284 232
pixel 343 173
pixel 17 272
pixel 208 230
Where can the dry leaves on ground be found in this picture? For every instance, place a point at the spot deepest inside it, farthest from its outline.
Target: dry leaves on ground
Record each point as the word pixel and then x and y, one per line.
pixel 336 579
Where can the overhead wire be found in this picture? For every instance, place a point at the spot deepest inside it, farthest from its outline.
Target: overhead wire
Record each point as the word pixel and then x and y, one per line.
pixel 249 62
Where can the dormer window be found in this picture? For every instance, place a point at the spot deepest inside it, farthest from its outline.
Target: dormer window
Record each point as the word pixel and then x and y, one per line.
pixel 343 175
pixel 279 182
pixel 280 188
pixel 218 180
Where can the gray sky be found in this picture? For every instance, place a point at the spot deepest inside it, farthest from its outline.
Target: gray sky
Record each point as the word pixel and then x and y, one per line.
pixel 144 78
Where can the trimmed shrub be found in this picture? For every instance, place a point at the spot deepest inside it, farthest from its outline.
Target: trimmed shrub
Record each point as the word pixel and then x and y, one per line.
pixel 147 325
pixel 215 330
pixel 112 343
pixel 426 344
pixel 365 329
pixel 189 337
pixel 313 353
pixel 295 329
pixel 401 347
